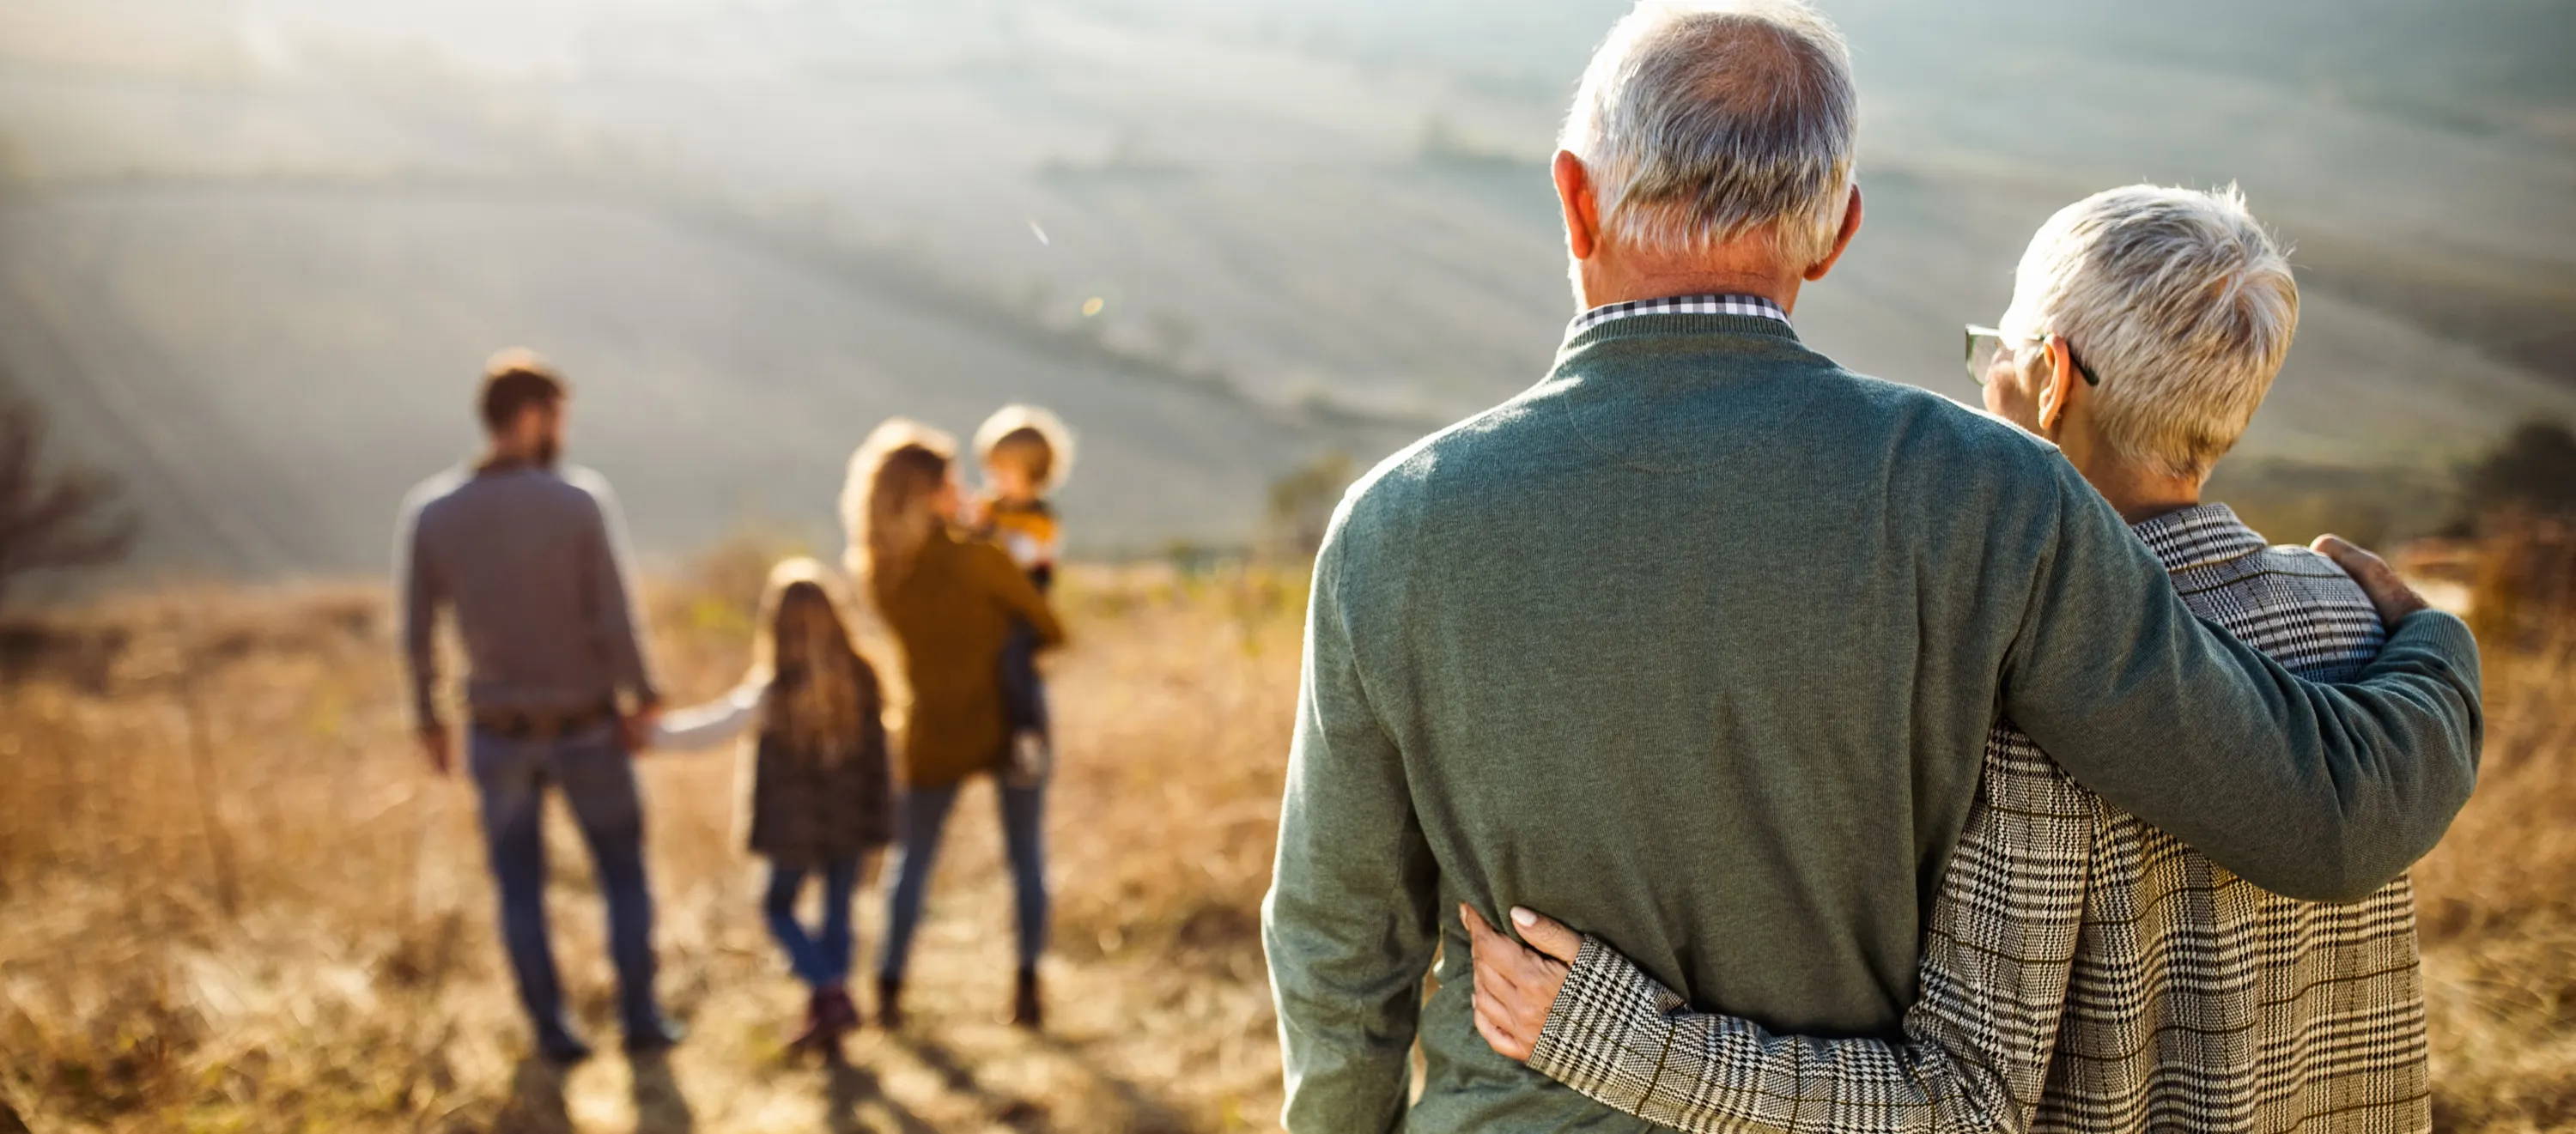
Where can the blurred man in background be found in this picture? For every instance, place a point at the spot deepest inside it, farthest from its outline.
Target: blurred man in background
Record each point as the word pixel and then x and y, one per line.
pixel 528 558
pixel 1697 642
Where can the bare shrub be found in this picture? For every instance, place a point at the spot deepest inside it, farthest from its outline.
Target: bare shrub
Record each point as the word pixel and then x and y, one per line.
pixel 57 519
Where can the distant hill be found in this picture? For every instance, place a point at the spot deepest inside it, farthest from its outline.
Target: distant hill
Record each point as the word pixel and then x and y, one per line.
pixel 252 252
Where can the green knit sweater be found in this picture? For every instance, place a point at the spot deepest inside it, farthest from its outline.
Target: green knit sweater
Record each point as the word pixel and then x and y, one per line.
pixel 1694 645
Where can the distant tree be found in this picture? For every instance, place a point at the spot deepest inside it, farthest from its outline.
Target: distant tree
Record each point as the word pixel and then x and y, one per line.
pixel 1302 502
pixel 2533 471
pixel 63 519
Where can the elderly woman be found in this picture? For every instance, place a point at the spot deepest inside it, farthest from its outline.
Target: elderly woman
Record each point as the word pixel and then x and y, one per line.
pixel 2081 970
pixel 950 605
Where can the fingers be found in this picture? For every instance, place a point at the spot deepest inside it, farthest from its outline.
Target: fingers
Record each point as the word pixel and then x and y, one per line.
pixel 1495 956
pixel 1495 1034
pixel 1525 970
pixel 1547 935
pixel 1515 986
pixel 2355 561
pixel 1475 922
pixel 2387 590
pixel 1494 1021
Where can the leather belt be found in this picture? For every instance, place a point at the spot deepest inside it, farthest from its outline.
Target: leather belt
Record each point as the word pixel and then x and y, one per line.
pixel 542 724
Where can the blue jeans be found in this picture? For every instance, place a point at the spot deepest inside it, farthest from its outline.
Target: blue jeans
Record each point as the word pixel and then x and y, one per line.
pixel 598 780
pixel 925 815
pixel 821 961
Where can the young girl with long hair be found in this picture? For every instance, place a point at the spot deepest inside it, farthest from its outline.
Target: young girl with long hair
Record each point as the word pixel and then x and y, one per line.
pixel 818 800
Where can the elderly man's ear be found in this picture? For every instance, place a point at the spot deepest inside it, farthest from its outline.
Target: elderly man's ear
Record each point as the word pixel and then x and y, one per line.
pixel 1582 210
pixel 1842 239
pixel 2058 389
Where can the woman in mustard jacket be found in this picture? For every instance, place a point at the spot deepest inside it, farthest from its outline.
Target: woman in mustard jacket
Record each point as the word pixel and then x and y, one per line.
pixel 949 604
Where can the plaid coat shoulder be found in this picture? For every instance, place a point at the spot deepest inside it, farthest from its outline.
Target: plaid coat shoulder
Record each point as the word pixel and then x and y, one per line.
pixel 2081 970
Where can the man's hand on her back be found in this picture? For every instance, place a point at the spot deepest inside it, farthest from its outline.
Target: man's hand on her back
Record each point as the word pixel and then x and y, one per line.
pixel 433 744
pixel 2380 581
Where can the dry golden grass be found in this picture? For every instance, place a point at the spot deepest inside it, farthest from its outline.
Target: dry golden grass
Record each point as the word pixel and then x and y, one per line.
pixel 2497 900
pixel 234 900
pixel 230 899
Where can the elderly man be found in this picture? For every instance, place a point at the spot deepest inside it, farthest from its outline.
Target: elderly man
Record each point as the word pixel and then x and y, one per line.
pixel 1697 643
pixel 2082 971
pixel 527 558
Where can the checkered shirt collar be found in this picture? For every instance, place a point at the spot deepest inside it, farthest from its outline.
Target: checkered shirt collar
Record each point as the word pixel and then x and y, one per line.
pixel 2198 536
pixel 1750 305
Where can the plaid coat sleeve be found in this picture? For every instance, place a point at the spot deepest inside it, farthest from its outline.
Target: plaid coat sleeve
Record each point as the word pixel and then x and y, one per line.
pixel 1976 1043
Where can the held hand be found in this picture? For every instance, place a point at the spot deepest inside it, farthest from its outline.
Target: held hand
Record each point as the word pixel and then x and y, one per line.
pixel 635 730
pixel 1516 984
pixel 2380 581
pixel 433 744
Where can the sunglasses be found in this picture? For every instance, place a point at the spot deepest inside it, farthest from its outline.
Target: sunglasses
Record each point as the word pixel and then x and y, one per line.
pixel 1985 343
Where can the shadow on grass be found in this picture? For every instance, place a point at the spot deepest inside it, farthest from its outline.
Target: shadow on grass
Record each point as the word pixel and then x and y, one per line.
pixel 536 1103
pixel 660 1108
pixel 855 1096
pixel 1009 1109
pixel 1145 1112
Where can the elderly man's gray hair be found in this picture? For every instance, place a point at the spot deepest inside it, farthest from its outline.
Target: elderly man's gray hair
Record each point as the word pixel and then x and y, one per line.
pixel 1701 122
pixel 2180 303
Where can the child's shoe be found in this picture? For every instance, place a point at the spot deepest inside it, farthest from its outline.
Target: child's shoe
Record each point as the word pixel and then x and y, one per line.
pixel 840 1013
pixel 818 1028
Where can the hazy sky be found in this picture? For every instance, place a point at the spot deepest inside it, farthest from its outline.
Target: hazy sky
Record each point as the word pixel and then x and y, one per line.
pixel 239 229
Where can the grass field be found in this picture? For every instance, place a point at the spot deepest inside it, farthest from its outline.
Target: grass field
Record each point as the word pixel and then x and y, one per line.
pixel 231 899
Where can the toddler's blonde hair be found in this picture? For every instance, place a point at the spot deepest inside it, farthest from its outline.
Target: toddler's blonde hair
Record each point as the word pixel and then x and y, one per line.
pixel 1030 437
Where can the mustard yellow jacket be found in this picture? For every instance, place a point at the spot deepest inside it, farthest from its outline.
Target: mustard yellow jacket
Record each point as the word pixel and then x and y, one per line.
pixel 951 616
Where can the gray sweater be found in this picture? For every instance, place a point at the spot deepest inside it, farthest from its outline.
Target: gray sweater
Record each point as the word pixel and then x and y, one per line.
pixel 531 563
pixel 1695 645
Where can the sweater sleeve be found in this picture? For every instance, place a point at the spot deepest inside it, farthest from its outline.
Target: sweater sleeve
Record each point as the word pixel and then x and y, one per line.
pixel 2322 792
pixel 708 725
pixel 419 593
pixel 619 629
pixel 1348 922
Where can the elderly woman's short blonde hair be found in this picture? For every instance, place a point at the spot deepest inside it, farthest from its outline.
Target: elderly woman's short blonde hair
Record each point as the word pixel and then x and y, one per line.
pixel 2178 301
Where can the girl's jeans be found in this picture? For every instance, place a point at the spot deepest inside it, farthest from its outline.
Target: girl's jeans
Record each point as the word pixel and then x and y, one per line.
pixel 820 960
